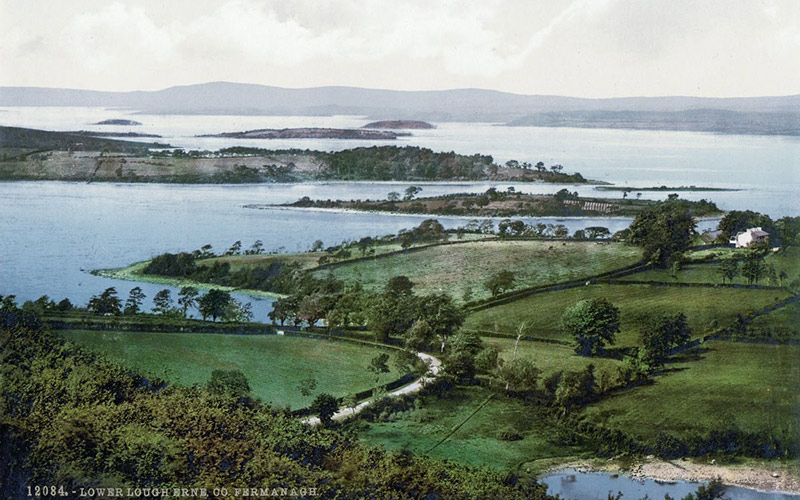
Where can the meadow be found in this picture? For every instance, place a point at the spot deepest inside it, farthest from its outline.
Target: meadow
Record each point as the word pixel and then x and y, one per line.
pixel 755 387
pixel 476 442
pixel 464 268
pixel 272 364
pixel 705 308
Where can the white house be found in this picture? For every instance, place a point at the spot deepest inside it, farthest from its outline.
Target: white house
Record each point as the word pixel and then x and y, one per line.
pixel 750 237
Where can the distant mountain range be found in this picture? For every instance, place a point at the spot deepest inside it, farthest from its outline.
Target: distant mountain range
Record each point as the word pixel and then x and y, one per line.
pixel 445 105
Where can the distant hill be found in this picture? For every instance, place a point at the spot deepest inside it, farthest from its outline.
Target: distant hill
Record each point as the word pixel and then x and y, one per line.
pixel 694 120
pixel 442 105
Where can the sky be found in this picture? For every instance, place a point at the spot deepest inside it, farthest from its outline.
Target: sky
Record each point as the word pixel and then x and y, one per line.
pixel 582 48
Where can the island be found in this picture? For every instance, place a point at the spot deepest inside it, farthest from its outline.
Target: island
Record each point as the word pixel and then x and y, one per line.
pixel 400 124
pixel 118 121
pixel 310 133
pixel 499 203
pixel 29 154
pixel 91 133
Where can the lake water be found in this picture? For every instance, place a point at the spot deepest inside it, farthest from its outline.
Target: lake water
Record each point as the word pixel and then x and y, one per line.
pixel 53 233
pixel 574 485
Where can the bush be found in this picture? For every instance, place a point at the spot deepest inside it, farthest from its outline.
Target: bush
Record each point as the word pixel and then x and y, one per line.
pixel 508 434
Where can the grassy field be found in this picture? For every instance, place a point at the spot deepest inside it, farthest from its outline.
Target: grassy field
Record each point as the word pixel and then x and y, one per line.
pixel 786 318
pixel 457 268
pixel 476 442
pixel 757 386
pixel 542 312
pixel 788 262
pixel 272 364
pixel 551 358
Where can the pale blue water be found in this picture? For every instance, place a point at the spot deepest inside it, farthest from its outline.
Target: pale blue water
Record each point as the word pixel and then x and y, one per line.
pixel 575 485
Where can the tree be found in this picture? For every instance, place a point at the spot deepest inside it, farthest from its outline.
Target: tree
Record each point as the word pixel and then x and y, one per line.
pixel 284 309
pixel 753 267
pixel 662 334
pixel 662 230
pixel 596 232
pixel 307 386
pixel 235 249
pixel 393 196
pixel 420 336
pixel 314 307
pixel 134 303
pixel 411 192
pixel 187 297
pixel 213 303
pixel 736 221
pixel 500 282
pixel 163 302
pixel 325 406
pixel 379 365
pixel 468 342
pixel 460 366
pixel 442 315
pixel 317 246
pixel 728 268
pixel 592 323
pixel 257 248
pixel 519 375
pixel 237 311
pixel 398 286
pixel 228 382
pixel 105 303
pixel 64 305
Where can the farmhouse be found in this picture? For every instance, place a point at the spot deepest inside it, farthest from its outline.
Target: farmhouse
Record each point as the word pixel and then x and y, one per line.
pixel 750 237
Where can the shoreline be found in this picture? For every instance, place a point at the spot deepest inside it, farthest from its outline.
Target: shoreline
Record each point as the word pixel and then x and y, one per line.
pixel 130 273
pixel 766 477
pixel 256 206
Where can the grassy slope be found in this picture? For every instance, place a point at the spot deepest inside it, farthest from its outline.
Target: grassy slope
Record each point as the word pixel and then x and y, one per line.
pixel 701 305
pixel 455 268
pixel 551 358
pixel 756 385
pixel 785 318
pixel 476 442
pixel 273 365
pixel 788 262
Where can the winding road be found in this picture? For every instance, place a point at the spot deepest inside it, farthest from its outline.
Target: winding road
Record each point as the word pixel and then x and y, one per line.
pixel 434 365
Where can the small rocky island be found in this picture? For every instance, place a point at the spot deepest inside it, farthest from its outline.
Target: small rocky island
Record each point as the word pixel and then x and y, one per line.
pixel 310 133
pixel 399 124
pixel 118 121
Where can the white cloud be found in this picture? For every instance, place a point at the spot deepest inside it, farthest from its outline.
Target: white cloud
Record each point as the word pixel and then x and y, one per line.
pixel 573 47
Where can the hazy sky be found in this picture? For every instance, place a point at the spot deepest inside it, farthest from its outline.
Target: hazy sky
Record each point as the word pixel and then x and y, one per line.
pixel 586 48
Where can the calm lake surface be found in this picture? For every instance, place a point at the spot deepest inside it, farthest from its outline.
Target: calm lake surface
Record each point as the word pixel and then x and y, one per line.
pixel 574 485
pixel 53 233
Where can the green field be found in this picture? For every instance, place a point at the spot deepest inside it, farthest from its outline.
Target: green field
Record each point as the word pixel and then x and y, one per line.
pixel 476 442
pixel 788 262
pixel 755 386
pixel 542 312
pixel 457 268
pixel 551 358
pixel 272 364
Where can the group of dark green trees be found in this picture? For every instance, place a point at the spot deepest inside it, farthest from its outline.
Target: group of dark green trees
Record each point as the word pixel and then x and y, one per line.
pixel 214 304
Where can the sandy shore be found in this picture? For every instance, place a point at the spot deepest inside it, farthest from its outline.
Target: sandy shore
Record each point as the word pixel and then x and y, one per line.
pixel 763 476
